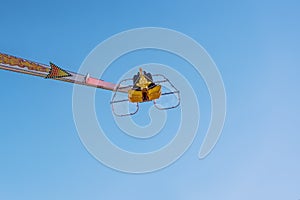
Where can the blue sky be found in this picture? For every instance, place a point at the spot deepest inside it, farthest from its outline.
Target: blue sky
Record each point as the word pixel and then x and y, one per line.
pixel 256 47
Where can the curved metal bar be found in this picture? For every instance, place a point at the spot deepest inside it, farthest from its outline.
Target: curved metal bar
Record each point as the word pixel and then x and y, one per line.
pixel 120 88
pixel 175 91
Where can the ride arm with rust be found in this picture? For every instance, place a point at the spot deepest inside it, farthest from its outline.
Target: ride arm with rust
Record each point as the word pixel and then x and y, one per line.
pixel 15 64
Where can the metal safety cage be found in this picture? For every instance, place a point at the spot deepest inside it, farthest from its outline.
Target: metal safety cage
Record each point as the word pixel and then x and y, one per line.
pixel 175 92
pixel 123 89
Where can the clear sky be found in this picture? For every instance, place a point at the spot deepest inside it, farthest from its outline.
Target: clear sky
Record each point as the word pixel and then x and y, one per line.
pixel 255 45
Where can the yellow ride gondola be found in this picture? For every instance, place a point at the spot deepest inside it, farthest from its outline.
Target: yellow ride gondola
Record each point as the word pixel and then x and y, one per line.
pixel 143 89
